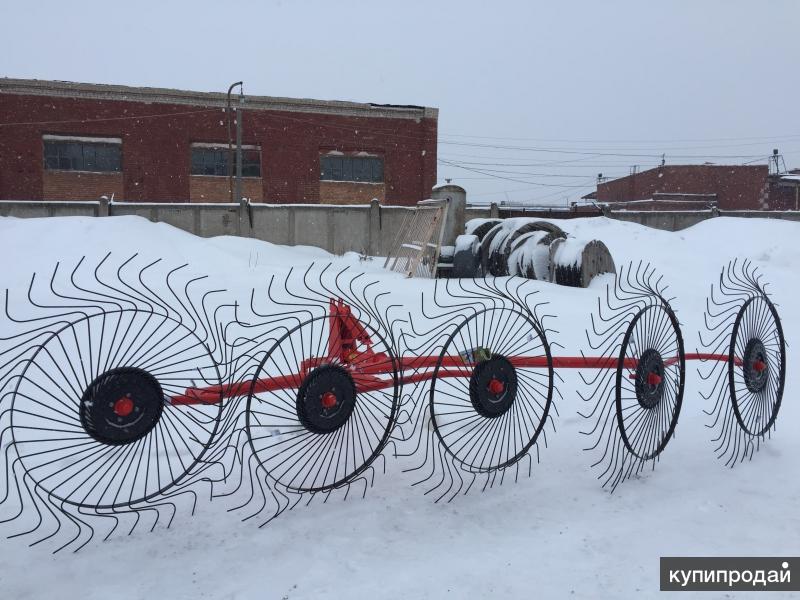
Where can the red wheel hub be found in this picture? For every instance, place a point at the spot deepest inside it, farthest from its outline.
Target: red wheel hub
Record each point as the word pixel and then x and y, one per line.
pixel 759 366
pixel 123 407
pixel 329 400
pixel 496 386
pixel 653 379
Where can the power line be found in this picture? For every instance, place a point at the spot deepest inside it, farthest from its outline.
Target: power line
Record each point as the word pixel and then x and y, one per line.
pixel 617 141
pixel 575 177
pixel 482 172
pixel 595 153
pixel 101 119
pixel 528 173
pixel 581 166
pixel 423 136
pixel 577 163
pixel 572 163
pixel 530 200
pixel 525 189
pixel 670 149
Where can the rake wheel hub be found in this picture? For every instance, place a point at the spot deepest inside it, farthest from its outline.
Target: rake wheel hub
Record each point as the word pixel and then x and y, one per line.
pixel 649 383
pixel 754 365
pixel 329 400
pixel 326 399
pixel 493 386
pixel 121 406
pixel 496 387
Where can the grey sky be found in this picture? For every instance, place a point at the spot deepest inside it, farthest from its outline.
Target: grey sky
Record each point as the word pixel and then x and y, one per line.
pixel 685 78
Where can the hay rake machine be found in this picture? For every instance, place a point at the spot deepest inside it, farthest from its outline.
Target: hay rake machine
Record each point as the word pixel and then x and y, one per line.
pixel 129 388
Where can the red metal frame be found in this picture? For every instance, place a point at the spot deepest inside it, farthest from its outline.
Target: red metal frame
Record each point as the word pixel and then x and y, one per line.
pixel 345 340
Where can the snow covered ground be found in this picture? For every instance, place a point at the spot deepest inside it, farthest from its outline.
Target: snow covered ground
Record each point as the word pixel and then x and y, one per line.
pixel 557 534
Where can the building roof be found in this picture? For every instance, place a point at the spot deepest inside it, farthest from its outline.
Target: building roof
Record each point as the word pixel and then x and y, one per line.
pixel 697 168
pixel 791 180
pixel 95 91
pixel 729 186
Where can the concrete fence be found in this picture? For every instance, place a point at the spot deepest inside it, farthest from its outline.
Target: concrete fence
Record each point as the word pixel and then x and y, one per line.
pixel 677 220
pixel 370 228
pixel 668 220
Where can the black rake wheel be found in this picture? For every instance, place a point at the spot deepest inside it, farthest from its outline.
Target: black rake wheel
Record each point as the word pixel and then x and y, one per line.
pixel 651 373
pixel 90 418
pixel 308 424
pixel 486 411
pixel 757 366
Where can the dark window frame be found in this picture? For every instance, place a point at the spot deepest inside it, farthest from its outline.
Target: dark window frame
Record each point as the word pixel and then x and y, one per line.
pixel 351 168
pixel 82 156
pixel 212 161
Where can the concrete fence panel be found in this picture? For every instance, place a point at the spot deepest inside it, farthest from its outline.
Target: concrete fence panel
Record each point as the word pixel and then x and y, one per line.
pixel 348 229
pixel 311 226
pixel 205 220
pixel 272 223
pixel 788 215
pixel 25 209
pixel 370 228
pixel 666 220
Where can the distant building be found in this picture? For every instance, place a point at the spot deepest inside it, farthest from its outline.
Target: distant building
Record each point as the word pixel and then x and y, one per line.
pixel 689 187
pixel 74 141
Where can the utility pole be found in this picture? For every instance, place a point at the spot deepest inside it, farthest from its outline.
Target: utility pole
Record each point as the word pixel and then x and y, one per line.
pixel 230 136
pixel 239 118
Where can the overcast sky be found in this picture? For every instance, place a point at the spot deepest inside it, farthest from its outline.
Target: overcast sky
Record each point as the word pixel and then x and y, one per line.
pixel 535 98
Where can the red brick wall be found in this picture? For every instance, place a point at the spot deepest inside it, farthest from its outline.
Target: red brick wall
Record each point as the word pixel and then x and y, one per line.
pixel 783 197
pixel 204 188
pixel 346 192
pixel 79 185
pixel 736 187
pixel 156 151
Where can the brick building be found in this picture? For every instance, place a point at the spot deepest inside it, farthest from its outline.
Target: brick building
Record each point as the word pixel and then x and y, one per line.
pixel 72 141
pixel 681 187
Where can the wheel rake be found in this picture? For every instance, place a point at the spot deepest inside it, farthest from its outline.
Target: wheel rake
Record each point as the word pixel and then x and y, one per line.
pixel 635 398
pixel 88 441
pixel 317 373
pixel 131 388
pixel 745 332
pixel 482 386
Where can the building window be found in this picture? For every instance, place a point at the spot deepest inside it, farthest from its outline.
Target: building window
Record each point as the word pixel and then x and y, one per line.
pixel 213 160
pixel 83 154
pixel 367 169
